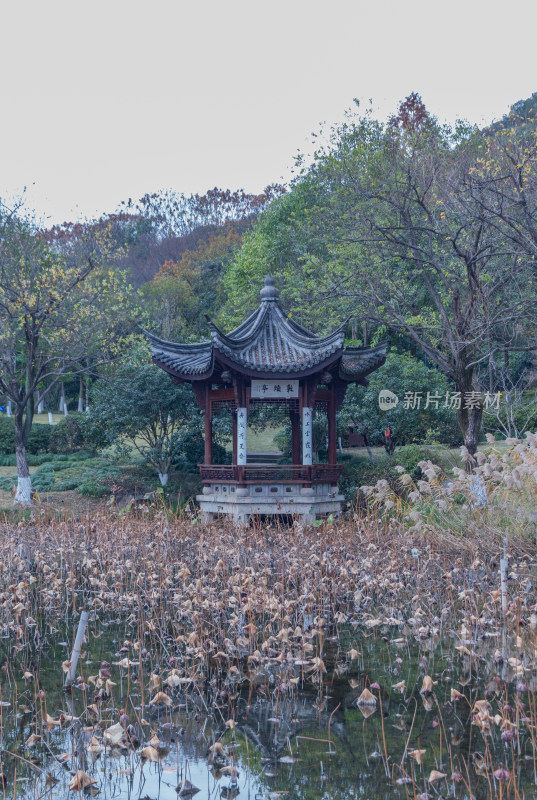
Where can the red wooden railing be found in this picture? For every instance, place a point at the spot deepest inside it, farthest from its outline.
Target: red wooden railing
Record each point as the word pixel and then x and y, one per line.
pixel 270 473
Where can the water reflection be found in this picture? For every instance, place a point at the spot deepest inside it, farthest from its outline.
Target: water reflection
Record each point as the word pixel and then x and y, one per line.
pixel 432 717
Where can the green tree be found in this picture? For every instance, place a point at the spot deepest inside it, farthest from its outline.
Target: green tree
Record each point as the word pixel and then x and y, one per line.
pixel 424 414
pixel 138 406
pixel 412 245
pixel 283 244
pixel 410 235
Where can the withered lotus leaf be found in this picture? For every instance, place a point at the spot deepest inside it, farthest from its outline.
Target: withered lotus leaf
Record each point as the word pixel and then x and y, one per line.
pixel 52 723
pixel 417 755
pixel 161 698
pixel 367 698
pixel 186 789
pixel 230 771
pixel 80 781
pixel 150 753
pixel 114 736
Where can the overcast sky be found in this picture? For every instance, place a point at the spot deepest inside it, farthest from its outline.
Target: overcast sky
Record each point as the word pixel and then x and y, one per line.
pixel 103 101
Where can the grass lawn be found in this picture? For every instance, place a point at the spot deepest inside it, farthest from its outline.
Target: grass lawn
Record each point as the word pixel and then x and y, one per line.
pixel 262 441
pixel 42 419
pixel 453 453
pixel 12 471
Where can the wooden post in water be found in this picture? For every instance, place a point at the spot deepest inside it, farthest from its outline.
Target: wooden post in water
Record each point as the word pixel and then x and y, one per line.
pixel 504 565
pixel 82 625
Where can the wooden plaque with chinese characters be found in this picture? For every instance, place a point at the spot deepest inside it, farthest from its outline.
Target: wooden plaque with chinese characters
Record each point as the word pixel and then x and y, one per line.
pixel 274 389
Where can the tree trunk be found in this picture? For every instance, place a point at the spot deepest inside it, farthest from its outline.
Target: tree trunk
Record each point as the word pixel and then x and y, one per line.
pixel 163 478
pixel 87 395
pixel 40 406
pixel 469 420
pixel 50 418
pixel 470 414
pixel 368 447
pixel 491 374
pixel 9 408
pixel 473 429
pixel 63 402
pixel 80 408
pixel 23 496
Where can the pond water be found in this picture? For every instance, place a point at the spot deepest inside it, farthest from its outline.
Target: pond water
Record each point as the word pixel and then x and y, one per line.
pixel 291 731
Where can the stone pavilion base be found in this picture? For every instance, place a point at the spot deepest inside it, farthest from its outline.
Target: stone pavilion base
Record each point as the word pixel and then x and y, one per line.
pixel 277 499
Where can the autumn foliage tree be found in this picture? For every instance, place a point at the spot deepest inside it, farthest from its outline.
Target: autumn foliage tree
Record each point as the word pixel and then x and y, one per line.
pixel 57 309
pixel 184 291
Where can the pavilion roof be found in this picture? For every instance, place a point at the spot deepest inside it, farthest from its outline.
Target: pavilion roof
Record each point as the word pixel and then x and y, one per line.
pixel 268 343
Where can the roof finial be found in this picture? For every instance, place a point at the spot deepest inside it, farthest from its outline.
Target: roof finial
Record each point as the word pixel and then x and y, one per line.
pixel 269 291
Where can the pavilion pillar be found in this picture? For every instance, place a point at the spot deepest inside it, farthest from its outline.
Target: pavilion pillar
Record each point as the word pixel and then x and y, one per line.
pixel 208 431
pixel 234 437
pixel 295 437
pixel 242 419
pixel 332 441
pixel 307 436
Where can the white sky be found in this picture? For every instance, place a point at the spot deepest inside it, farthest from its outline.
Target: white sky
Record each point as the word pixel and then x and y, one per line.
pixel 102 101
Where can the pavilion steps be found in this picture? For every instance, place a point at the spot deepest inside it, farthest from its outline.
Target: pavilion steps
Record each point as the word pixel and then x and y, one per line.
pixel 272 457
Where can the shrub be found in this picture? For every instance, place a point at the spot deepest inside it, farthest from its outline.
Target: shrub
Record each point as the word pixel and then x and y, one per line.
pixel 66 486
pixel 67 435
pixel 46 467
pixel 93 489
pixel 43 481
pixel 360 471
pixel 410 455
pixel 189 451
pixel 94 433
pixel 402 374
pixel 39 439
pixel 7 435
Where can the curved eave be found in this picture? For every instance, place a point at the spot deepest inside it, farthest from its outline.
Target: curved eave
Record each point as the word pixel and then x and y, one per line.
pixel 164 345
pixel 358 362
pixel 187 362
pixel 176 371
pixel 277 374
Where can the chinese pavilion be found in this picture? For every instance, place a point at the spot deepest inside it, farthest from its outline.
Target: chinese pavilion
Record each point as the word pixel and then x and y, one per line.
pixel 270 358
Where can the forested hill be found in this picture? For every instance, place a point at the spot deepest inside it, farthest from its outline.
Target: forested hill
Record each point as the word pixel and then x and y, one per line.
pixel 175 249
pixel 186 252
pixel 524 109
